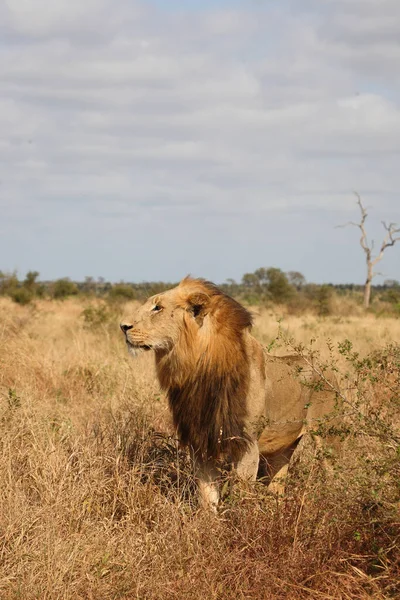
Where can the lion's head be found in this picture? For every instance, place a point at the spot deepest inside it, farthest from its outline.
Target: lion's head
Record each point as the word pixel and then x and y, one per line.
pixel 194 309
pixel 197 334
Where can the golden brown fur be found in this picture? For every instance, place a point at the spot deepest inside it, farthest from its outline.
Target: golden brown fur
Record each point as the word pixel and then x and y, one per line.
pixel 227 401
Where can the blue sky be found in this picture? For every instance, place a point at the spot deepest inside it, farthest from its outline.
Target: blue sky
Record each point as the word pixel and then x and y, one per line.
pixel 148 140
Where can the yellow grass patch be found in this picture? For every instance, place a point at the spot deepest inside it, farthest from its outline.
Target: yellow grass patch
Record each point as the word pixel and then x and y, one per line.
pixel 96 498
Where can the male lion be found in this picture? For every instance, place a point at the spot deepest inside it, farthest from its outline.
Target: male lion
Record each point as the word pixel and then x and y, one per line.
pixel 229 401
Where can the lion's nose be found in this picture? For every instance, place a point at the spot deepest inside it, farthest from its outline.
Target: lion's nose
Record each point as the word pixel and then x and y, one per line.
pixel 125 327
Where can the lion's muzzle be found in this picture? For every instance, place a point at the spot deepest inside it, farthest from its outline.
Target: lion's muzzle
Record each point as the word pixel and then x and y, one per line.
pixel 134 339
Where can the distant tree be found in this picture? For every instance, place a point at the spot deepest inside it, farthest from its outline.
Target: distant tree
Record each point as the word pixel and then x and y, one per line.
pixel 389 240
pixel 30 283
pixel 103 286
pixel 271 282
pixel 250 280
pixel 30 278
pixel 231 286
pixel 391 283
pixel 296 279
pixel 278 285
pixel 89 285
pixel 262 275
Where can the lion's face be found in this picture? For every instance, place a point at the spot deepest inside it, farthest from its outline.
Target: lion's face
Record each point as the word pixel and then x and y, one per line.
pixel 158 323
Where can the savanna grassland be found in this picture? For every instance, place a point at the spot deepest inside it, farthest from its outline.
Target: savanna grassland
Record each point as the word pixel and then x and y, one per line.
pixel 97 500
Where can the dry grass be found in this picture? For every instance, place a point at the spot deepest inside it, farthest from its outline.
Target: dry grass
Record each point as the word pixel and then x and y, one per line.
pixel 366 332
pixel 97 502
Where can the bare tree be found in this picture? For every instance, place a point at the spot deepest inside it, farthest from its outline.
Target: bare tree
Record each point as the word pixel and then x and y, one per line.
pixel 389 240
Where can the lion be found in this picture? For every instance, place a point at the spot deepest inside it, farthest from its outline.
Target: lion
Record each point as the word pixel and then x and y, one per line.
pixel 230 401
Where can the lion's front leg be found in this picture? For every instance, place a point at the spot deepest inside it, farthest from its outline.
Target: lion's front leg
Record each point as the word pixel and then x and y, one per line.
pixel 207 475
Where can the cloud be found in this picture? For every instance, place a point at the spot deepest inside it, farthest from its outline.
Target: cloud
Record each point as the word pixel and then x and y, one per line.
pixel 96 20
pixel 113 112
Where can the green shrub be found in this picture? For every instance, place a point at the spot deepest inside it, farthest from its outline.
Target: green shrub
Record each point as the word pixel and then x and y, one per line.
pixel 391 295
pixel 21 296
pixel 321 297
pixel 62 288
pixel 121 291
pixel 8 282
pixel 96 316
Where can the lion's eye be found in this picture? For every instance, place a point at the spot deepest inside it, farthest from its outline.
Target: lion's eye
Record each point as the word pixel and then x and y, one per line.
pixel 156 308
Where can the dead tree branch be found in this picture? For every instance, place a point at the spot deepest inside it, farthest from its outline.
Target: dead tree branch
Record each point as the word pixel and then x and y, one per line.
pixel 389 240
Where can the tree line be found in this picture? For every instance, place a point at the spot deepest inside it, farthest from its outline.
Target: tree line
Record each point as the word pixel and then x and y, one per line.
pixel 265 286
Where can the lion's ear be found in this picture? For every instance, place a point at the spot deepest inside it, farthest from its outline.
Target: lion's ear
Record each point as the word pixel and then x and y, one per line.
pixel 197 304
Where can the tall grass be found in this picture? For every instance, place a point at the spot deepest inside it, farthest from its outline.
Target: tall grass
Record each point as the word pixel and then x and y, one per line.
pixel 97 500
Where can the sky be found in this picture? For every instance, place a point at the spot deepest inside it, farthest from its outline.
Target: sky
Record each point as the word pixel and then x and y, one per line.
pixel 145 140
